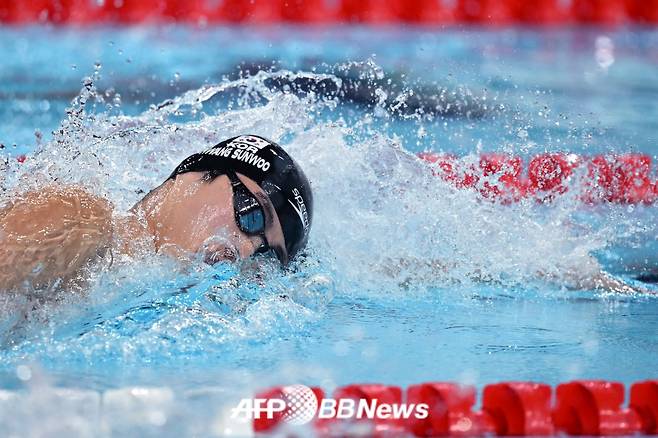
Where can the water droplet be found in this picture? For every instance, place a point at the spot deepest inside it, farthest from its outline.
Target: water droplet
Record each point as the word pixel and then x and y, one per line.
pixel 23 372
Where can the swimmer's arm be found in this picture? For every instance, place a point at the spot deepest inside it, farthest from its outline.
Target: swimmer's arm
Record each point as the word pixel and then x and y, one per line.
pixel 589 275
pixel 47 236
pixel 605 282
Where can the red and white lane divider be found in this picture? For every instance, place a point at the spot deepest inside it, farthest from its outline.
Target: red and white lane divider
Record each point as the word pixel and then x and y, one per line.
pixel 584 407
pixel 428 12
pixel 623 178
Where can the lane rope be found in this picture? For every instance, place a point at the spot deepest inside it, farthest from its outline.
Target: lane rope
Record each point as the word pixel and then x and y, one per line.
pixel 581 407
pixel 422 12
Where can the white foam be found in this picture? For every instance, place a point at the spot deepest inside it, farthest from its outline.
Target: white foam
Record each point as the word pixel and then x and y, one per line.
pixel 383 225
pixel 376 205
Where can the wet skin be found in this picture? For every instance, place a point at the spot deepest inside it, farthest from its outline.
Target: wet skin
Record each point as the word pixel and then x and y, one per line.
pixel 196 215
pixel 46 237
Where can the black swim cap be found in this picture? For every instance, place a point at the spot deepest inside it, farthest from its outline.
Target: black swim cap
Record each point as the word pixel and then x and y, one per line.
pixel 274 171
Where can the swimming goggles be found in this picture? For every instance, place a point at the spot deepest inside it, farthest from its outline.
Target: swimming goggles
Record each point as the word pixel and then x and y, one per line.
pixel 249 214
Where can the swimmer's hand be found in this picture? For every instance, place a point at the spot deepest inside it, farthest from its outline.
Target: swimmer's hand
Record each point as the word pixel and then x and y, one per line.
pixel 47 236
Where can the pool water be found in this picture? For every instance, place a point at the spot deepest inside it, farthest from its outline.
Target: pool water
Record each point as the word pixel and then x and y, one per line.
pixel 364 305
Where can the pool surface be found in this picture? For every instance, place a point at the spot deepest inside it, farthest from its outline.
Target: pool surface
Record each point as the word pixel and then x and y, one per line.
pixel 365 305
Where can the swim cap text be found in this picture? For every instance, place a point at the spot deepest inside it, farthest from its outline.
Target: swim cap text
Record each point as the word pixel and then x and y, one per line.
pixel 243 149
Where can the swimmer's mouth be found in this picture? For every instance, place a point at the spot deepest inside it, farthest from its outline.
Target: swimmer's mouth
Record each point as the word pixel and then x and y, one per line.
pixel 226 254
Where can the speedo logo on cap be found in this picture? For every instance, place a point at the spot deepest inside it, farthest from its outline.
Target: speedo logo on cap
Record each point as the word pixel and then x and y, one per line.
pixel 300 208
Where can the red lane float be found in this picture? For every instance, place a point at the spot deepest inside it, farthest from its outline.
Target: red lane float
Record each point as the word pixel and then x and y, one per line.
pixel 486 11
pixel 548 173
pixel 432 12
pixel 80 12
pixel 196 11
pixel 308 11
pixel 644 400
pixel 367 11
pixel 549 12
pixel 624 178
pixel 382 394
pixel 450 411
pixel 644 11
pixel 141 11
pixel 600 11
pixel 425 12
pixel 585 407
pixel 593 408
pixel 225 11
pixel 15 12
pixel 255 11
pixel 519 408
pixel 510 186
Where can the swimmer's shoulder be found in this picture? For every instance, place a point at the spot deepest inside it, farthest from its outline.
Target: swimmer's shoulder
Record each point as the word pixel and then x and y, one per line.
pixel 49 234
pixel 47 209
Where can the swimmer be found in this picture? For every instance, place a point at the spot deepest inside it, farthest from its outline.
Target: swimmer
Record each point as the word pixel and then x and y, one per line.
pixel 241 197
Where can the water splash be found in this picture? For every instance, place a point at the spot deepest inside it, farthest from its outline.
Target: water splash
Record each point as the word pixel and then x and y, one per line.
pixel 385 226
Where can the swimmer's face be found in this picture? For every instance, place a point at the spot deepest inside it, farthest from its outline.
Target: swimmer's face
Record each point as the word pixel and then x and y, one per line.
pixel 196 215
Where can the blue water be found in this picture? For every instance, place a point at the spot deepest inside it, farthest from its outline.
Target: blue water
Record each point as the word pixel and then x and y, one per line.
pixel 355 311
